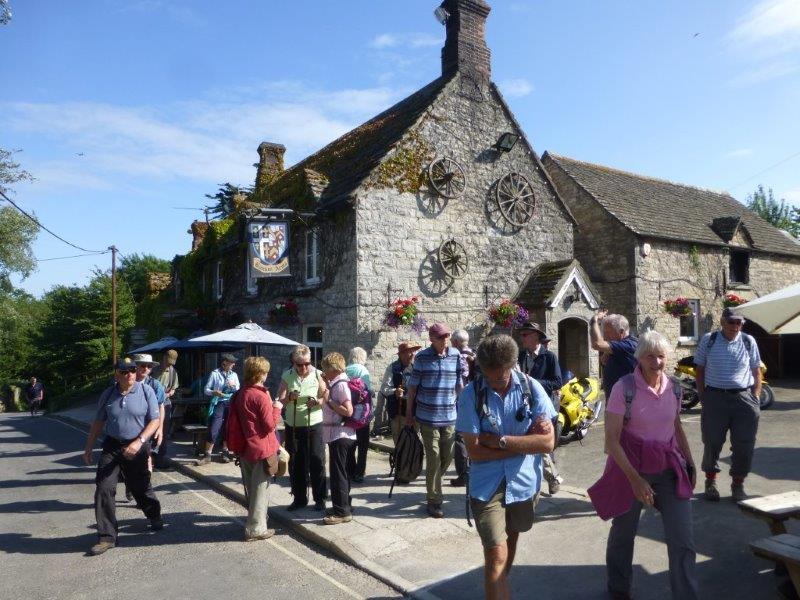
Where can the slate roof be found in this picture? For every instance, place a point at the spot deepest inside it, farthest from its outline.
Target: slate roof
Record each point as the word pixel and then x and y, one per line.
pixel 348 161
pixel 544 282
pixel 663 209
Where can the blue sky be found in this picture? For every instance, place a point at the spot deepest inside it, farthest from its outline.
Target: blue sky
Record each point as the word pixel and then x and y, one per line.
pixel 127 108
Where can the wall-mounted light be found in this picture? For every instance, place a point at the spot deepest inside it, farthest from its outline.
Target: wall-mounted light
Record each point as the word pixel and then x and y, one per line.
pixel 507 142
pixel 441 15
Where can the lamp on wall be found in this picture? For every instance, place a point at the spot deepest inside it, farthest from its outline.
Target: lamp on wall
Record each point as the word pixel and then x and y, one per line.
pixel 507 142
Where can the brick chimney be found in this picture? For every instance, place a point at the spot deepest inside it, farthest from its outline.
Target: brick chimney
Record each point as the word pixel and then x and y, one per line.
pixel 270 163
pixel 465 48
pixel 198 231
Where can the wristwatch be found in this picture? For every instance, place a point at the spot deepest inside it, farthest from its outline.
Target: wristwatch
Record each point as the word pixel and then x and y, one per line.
pixel 142 439
pixel 502 442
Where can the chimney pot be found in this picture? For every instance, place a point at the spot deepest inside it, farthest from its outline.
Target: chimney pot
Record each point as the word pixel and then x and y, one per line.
pixel 465 48
pixel 270 163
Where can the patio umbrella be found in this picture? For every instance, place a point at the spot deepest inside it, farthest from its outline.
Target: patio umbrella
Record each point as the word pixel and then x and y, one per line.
pixel 778 312
pixel 163 344
pixel 246 333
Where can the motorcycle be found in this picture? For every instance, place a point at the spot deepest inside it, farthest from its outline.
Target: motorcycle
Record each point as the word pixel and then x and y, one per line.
pixel 579 408
pixel 686 373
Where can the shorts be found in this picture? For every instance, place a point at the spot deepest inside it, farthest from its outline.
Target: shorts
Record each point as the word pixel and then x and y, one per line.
pixel 494 519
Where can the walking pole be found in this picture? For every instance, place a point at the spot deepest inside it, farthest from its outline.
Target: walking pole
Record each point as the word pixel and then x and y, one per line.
pixel 294 443
pixel 308 449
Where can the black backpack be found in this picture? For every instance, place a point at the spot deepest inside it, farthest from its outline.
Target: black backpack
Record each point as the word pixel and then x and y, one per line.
pixel 406 461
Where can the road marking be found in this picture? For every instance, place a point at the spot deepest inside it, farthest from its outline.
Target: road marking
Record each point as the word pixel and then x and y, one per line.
pixel 287 552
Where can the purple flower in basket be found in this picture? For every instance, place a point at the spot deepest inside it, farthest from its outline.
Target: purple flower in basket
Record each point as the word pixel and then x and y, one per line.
pixel 419 325
pixel 522 316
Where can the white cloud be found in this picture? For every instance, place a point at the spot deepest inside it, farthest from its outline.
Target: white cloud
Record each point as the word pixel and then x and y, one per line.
pixel 740 153
pixel 413 40
pixel 765 72
pixel 772 22
pixel 204 140
pixel 516 88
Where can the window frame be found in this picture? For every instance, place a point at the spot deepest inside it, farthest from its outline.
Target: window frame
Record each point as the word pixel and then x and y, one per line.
pixel 219 282
pixel 739 255
pixel 695 304
pixel 315 347
pixel 311 254
pixel 250 282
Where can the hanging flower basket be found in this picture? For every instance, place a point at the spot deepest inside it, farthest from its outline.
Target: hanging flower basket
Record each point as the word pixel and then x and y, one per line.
pixel 507 314
pixel 678 307
pixel 731 300
pixel 284 313
pixel 404 312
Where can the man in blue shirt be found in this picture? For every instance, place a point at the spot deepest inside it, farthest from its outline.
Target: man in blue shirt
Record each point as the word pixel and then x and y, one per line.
pixel 616 346
pixel 435 382
pixel 505 418
pixel 127 413
pixel 729 385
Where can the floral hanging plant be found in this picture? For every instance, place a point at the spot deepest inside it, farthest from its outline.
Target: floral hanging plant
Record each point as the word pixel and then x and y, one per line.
pixel 404 312
pixel 284 313
pixel 732 300
pixel 507 314
pixel 678 307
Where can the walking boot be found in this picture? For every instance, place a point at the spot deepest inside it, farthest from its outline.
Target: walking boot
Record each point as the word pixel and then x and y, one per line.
pixel 712 492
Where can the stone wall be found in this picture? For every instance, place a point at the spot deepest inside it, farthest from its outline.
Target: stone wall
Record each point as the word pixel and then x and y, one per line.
pixel 399 232
pixel 604 247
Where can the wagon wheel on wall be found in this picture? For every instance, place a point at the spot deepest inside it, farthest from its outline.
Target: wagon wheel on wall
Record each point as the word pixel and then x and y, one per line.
pixel 447 177
pixel 515 199
pixel 453 258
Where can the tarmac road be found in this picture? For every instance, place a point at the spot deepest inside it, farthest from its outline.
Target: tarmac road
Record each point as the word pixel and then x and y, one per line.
pixel 47 525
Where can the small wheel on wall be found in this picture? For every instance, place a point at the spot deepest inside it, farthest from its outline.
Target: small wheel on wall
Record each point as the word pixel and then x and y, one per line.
pixel 515 199
pixel 447 177
pixel 453 258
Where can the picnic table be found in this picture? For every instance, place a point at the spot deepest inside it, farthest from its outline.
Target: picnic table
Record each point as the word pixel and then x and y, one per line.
pixel 775 510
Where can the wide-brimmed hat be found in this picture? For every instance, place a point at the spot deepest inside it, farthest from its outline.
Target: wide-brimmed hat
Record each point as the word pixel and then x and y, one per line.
pixel 228 357
pixel 405 346
pixel 728 313
pixel 531 326
pixel 144 359
pixel 171 356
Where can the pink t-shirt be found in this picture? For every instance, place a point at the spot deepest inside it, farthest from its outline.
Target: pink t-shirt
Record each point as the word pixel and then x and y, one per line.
pixel 653 411
pixel 332 428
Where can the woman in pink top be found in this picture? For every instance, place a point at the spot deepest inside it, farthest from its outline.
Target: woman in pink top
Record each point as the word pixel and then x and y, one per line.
pixel 649 465
pixel 340 439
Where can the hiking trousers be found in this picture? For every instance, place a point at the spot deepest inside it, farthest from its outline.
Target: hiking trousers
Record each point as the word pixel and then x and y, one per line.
pixel 306 459
pixel 439 443
pixel 137 478
pixel 341 465
pixel 461 457
pixel 256 482
pixel 676 515
pixel 737 412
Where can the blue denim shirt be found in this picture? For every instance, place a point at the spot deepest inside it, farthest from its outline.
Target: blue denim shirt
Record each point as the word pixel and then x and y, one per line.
pixel 522 472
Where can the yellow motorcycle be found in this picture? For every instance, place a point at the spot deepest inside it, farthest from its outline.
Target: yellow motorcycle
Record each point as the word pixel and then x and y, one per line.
pixel 579 408
pixel 686 373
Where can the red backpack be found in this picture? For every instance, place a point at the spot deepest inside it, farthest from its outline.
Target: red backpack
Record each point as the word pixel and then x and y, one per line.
pixel 234 437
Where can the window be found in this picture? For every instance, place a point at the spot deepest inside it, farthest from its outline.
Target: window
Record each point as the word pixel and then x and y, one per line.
pixel 312 256
pixel 690 325
pixel 740 266
pixel 312 337
pixel 218 281
pixel 251 283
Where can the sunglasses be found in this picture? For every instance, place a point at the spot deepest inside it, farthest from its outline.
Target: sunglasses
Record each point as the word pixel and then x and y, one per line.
pixel 305 364
pixel 127 371
pixel 735 321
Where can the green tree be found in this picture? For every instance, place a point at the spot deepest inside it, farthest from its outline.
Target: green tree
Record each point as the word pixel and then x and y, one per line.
pixel 17 232
pixel 20 316
pixel 5 12
pixel 778 213
pixel 74 340
pixel 135 270
pixel 224 199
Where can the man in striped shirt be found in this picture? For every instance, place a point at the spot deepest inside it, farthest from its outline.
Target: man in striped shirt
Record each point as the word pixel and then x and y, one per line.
pixel 434 384
pixel 729 385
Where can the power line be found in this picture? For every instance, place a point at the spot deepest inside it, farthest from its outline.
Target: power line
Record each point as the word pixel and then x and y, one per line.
pixel 73 256
pixel 769 168
pixel 32 218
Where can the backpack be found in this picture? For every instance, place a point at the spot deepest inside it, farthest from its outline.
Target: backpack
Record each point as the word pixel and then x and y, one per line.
pixel 361 398
pixel 482 400
pixel 234 437
pixel 748 343
pixel 629 388
pixel 406 461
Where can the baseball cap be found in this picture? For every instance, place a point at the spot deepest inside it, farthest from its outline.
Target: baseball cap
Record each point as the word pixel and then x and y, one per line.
pixel 728 313
pixel 439 329
pixel 404 346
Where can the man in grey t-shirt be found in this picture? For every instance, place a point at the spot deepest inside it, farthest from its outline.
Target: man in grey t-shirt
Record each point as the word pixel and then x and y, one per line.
pixel 127 413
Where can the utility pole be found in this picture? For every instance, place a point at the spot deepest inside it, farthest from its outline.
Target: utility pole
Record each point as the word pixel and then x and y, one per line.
pixel 113 303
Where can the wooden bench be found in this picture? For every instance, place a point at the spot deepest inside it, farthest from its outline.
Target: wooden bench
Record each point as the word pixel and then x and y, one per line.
pixel 775 510
pixel 785 549
pixel 198 437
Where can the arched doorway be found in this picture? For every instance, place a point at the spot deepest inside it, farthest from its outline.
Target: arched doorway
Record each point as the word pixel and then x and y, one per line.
pixel 573 346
